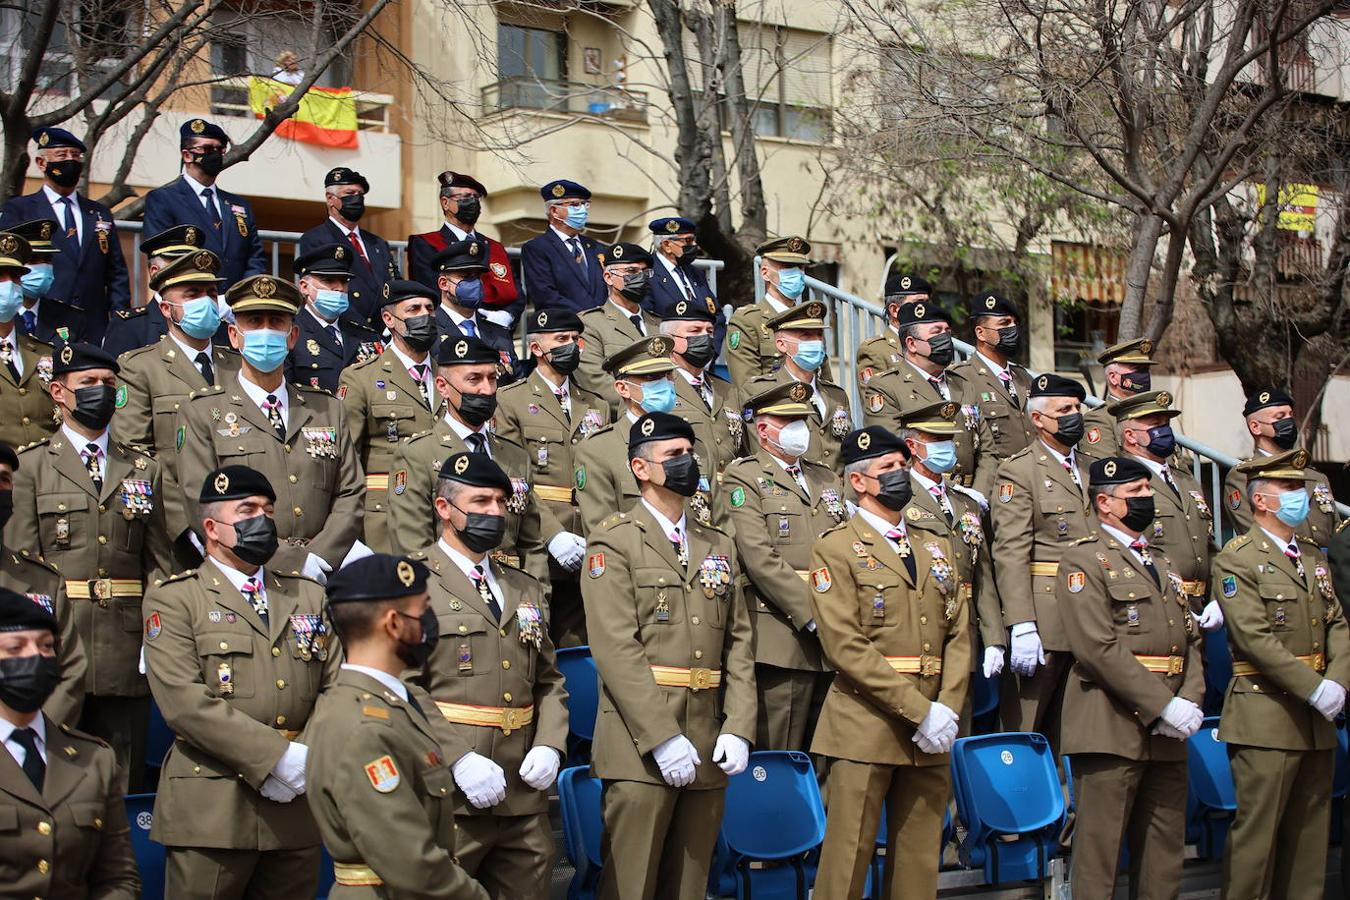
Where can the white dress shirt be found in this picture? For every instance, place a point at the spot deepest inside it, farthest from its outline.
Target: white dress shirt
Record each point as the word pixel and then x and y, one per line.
pixel 467 565
pixel 395 685
pixel 259 396
pixel 59 210
pixel 39 726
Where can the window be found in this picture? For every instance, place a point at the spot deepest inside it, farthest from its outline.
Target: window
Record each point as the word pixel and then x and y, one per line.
pixel 245 45
pixel 100 29
pixel 531 68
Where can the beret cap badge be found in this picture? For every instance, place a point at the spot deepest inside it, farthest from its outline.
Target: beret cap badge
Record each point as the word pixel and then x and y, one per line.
pixel 672 226
pixel 198 126
pixel 1110 469
pixel 405 573
pixel 990 302
pixel 461 465
pixel 222 483
pixel 462 349
pixel 864 441
pixel 559 190
pixel 67 354
pixel 617 252
pixel 648 427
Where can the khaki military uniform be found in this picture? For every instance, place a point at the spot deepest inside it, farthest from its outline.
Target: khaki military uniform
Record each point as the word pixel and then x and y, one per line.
pixel 879 353
pixel 892 394
pixel 673 646
pixel 1101 431
pixel 498 688
pixel 1183 530
pixel 382 794
pixel 235 692
pixel 899 642
pixel 1287 632
pixel 1004 423
pixel 607 332
pixel 1135 648
pixel 719 432
pixel 827 431
pixel 70 840
pixel 776 524
pixel 314 471
pixel 27 412
pixel 24 573
pixel 1323 517
pixel 384 405
pixel 750 348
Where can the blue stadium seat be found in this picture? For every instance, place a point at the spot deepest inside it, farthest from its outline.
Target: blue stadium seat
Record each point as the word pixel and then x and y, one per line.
pixel 326 876
pixel 1218 669
pixel 1214 800
pixel 984 697
pixel 583 829
pixel 149 855
pixel 583 700
pixel 158 738
pixel 1009 797
pixel 778 787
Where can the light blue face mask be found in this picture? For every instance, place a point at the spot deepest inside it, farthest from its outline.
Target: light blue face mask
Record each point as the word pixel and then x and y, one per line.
pixel 941 456
pixel 331 304
pixel 11 298
pixel 469 293
pixel 38 281
pixel 1293 508
pixel 810 355
pixel 264 349
pixel 658 396
pixel 201 318
pixel 791 282
pixel 577 215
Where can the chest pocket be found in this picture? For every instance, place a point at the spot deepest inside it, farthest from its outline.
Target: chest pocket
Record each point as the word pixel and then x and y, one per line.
pixel 467 638
pixel 1059 508
pixel 165 408
pixel 244 449
pixel 1284 604
pixel 660 597
pixel 437 784
pixel 879 598
pixel 227 662
pixel 785 522
pixel 997 414
pixel 1130 605
pixel 63 520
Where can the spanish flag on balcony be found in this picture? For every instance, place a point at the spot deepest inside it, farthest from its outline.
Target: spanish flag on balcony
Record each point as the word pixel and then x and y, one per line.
pixel 326 116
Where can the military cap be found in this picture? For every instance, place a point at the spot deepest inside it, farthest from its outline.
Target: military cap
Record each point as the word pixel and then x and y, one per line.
pixel 547 320
pixel 200 128
pixel 670 226
pixel 235 483
pixel 900 284
pixel 14 252
pixel 465 351
pixel 1137 352
pixel 792 398
pixel 802 317
pixel 794 251
pixel 32 612
pixel 174 241
pixel 78 356
pixel 48 138
pixel 1052 385
pixel 869 442
pixel 199 267
pixel 645 356
pixel 922 313
pixel 932 418
pixel 475 470
pixel 686 310
pixel 1291 464
pixel 562 189
pixel 264 293
pixel 991 304
pixel 8 457
pixel 344 175
pixel 329 259
pixel 626 254
pixel 1117 470
pixel 398 290
pixel 657 426
pixel 459 179
pixel 38 233
pixel 1151 403
pixel 379 576
pixel 1266 399
pixel 469 256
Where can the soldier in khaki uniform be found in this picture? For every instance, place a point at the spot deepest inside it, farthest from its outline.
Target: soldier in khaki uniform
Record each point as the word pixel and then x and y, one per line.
pixel 1270 419
pixel 296 436
pixel 778 503
pixel 236 653
pixel 26 410
pixel 618 323
pixel 494 678
pixel 799 335
pixel 894 619
pixel 1133 693
pixel 884 351
pixel 95 509
pixel 673 644
pixel 1127 373
pixel 750 346
pixel 1039 509
pixel 549 413
pixel 391 397
pixel 1291 665
pixel 66 831
pixel 379 785
pixel 706 402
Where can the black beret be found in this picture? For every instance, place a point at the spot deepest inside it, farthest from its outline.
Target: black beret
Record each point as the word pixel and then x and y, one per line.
pixel 174 241
pixel 682 309
pixel 468 255
pixel 1052 385
pixel 900 284
pixel 921 313
pixel 622 254
pixel 7 456
pixel 476 470
pixel 562 189
pixel 465 351
pixel 869 442
pixel 459 179
pixel 1117 470
pixel 657 426
pixel 1264 399
pixel 80 357
pixel 398 290
pixel 991 304
pixel 235 483
pixel 547 320
pixel 344 175
pixel 47 138
pixel 200 128
pixel 27 612
pixel 330 259
pixel 379 576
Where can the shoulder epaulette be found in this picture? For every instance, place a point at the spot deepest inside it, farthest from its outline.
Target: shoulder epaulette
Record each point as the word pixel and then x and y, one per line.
pixel 1307 540
pixel 40 442
pixel 313 389
pixel 1020 453
pixel 834 528
pixel 208 391
pixel 82 735
pixel 711 527
pixel 180 576
pixel 618 518
pixel 365 362
pixel 1088 539
pixel 419 434
pixel 507 388
pixel 602 430
pixel 506 440
pixel 131 313
pixel 1241 540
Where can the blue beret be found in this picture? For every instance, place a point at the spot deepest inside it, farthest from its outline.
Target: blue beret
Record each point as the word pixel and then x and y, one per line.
pixel 562 189
pixel 200 128
pixel 670 226
pixel 47 138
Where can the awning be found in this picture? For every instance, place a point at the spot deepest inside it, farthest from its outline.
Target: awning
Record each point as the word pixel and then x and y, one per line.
pixel 1087 273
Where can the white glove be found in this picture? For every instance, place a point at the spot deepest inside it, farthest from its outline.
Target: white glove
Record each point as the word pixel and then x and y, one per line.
pixel 500 316
pixel 276 791
pixel 568 549
pixel 140 663
pixel 358 551
pixel 731 753
pixel 540 767
pixel 316 568
pixel 1027 652
pixel 482 780
pixel 676 758
pixel 938 729
pixel 1211 617
pixel 290 769
pixel 1328 699
pixel 993 661
pixel 1182 716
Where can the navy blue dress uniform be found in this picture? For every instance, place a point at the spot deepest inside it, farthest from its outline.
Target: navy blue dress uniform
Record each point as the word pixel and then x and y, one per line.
pixel 469 258
pixel 562 275
pixel 48 319
pixel 230 229
pixel 674 280
pixel 373 266
pixel 324 348
pixel 90 271
pixel 142 326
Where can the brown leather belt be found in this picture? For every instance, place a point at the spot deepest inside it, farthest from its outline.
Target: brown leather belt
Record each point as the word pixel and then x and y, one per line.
pixel 507 718
pixel 355 875
pixel 694 679
pixel 916 665
pixel 1315 661
pixel 1163 665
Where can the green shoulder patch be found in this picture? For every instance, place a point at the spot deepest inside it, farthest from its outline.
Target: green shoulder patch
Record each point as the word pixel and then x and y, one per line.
pixel 120 399
pixel 179 437
pixel 738 497
pixel 735 340
pixel 580 478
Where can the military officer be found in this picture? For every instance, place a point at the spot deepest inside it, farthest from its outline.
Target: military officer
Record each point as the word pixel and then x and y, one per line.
pixel 145 324
pixel 95 509
pixel 296 435
pixel 674 275
pixel 66 828
pixel 896 625
pixel 1040 508
pixel 495 680
pixel 45 318
pixel 884 351
pixel 380 788
pixel 922 377
pixel 1271 422
pixel 1127 373
pixel 461 280
pixel 620 321
pixel 799 338
pixel 391 397
pixel 333 335
pixel 707 402
pixel 1291 664
pixel 372 262
pixel 562 266
pixel 750 346
pixel 26 410
pixel 551 431
pixel 778 503
pixel 236 653
pixel 674 648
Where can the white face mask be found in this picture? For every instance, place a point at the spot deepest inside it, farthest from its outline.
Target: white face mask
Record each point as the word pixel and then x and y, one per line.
pixel 795 438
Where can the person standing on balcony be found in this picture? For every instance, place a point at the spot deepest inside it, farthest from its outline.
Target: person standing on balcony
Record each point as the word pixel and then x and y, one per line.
pixel 885 351
pixel 751 349
pixel 89 273
pixel 564 268
pixel 373 264
pixel 675 276
pixel 226 219
pixel 1127 374
pixel 462 205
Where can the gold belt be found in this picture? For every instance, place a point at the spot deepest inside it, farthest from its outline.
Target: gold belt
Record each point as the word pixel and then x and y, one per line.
pixel 1195 588
pixel 103 588
pixel 1163 665
pixel 377 482
pixel 507 718
pixel 1051 569
pixel 355 875
pixel 1316 661
pixel 554 494
pixel 694 679
pixel 916 665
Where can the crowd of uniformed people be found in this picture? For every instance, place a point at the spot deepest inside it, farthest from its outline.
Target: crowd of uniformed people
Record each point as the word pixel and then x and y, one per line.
pixel 334 528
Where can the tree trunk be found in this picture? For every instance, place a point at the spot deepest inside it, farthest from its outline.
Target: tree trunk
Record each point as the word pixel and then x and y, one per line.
pixel 1147 231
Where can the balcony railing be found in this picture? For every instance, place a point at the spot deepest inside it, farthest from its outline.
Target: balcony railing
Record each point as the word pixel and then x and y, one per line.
pixel 229 97
pixel 566 98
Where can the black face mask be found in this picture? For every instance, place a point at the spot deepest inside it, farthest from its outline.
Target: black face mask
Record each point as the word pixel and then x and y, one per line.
pixel 353 207
pixel 699 350
pixel 482 532
pixel 1139 513
pixel 420 332
pixel 1008 339
pixel 6 509
pixel 1136 382
pixel 212 163
pixel 689 253
pixel 681 474
pixel 635 286
pixel 65 172
pixel 565 358
pixel 469 211
pixel 94 406
pixel 475 409
pixel 255 540
pixel 27 681
pixel 894 489
pixel 941 350
pixel 415 654
pixel 1069 429
pixel 1285 433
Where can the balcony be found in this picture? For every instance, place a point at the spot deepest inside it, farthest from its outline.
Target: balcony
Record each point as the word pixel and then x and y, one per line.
pixel 567 98
pixel 229 97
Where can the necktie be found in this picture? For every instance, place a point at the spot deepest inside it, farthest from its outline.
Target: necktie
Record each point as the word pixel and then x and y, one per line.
pixel 94 465
pixel 901 543
pixel 336 335
pixel 1073 473
pixel 796 473
pixel 684 280
pixel 204 366
pixel 564 401
pixel 480 582
pixel 468 327
pixel 33 766
pixel 68 221
pixel 940 386
pixel 636 319
pixel 476 443
pixel 1293 553
pixel 272 406
pixel 253 593
pixel 1167 478
pixel 943 502
pixel 417 707
pixel 702 392
pixel 419 375
pixel 581 260
pixel 212 210
pixel 681 551
pixel 1009 387
pixel 29 321
pixel 356 245
pixel 7 355
pixel 1146 558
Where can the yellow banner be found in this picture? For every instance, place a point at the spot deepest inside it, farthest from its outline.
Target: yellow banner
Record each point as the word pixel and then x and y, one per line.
pixel 326 116
pixel 1297 204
